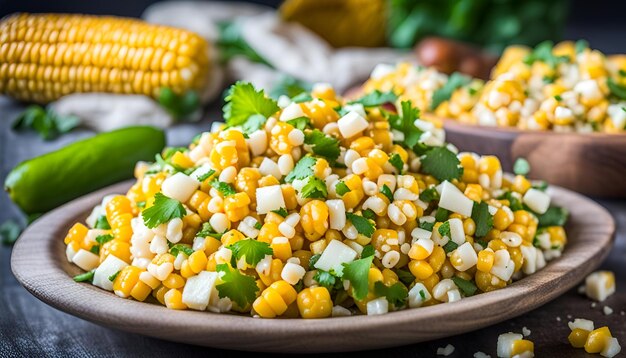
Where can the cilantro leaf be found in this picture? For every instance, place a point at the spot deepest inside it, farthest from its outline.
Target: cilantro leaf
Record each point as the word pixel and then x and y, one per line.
pixel 300 123
pixel 397 162
pixel 363 226
pixel 581 45
pixel 450 246
pixel 482 218
pixel 405 276
pixel 325 279
pixel 554 216
pixel 395 294
pixel 543 53
pixel 102 223
pixel 114 276
pixel 206 175
pixel 103 239
pixel 514 203
pixel 541 185
pixel 314 188
pixel 376 98
pixel 442 214
pixel 441 163
pixel 208 231
pixel 444 229
pixel 617 90
pixel 444 93
pixel 95 249
pixel 341 188
pixel 428 226
pixel 323 145
pixel 253 123
pixel 368 250
pixel 253 250
pixel 240 288
pixel 85 277
pixel 224 188
pixel 302 97
pixel 258 225
pixel 303 169
pixel 429 195
pixel 313 260
pixel 386 191
pixel 357 272
pixel 521 167
pixel 282 212
pixel 243 101
pixel 406 124
pixel 368 214
pixel 468 287
pixel 185 249
pixel 163 210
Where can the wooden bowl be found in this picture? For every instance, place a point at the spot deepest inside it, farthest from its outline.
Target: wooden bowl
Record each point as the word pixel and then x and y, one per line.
pixel 592 164
pixel 39 264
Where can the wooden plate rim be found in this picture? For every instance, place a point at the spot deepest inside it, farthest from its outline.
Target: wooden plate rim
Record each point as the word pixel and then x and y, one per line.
pixel 37 265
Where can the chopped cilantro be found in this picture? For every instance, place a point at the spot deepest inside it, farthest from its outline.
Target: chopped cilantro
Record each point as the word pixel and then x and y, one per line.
pixel 325 279
pixel 169 152
pixel 302 97
pixel 441 163
pixel 103 239
pixel 468 287
pixel 543 52
pixel 224 188
pixel 253 123
pixel 206 175
pixel 395 294
pixel 368 250
pixel 243 101
pixel 558 98
pixel 521 167
pixel 622 73
pixel 376 98
pixel 386 191
pixel 303 169
pixel 422 295
pixel 322 144
pixel 258 225
pixel 397 162
pixel 208 231
pixel 357 272
pixel 617 90
pixel 405 123
pixel 581 45
pixel 428 226
pixel 240 288
pixel 482 218
pixel 253 250
pixel 368 214
pixel 541 185
pixel 114 276
pixel 282 212
pixel 405 276
pixel 102 223
pixel 429 195
pixel 341 188
pixel 178 248
pixel 444 229
pixel 314 188
pixel 85 277
pixel 450 246
pixel 163 210
pixel 442 214
pixel 482 243
pixel 514 203
pixel 95 249
pixel 300 123
pixel 363 226
pixel 554 216
pixel 313 260
pixel 141 204
pixel 444 93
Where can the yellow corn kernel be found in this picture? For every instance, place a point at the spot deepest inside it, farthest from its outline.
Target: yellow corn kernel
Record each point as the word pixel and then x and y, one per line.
pixel 180 159
pixel 159 294
pixel 362 145
pixel 140 291
pixel 197 261
pixel 174 281
pixel 314 219
pixel 502 219
pixel 485 260
pixel 126 280
pixel 352 198
pixel 474 192
pixel 521 184
pixel 236 206
pixel 430 281
pixel 117 248
pixel 186 271
pixel 521 346
pixel 76 236
pixel 275 299
pixel 247 181
pixel 557 235
pixel 232 236
pixel 385 240
pixel 268 232
pixel 174 300
pixel 578 337
pixel 314 302
pixel 199 202
pixel 289 195
pixel 224 155
pixel 489 165
pixel 281 247
pixel 597 339
pixel 318 246
pixel 437 258
pixel 420 269
pixel 276 267
pixel 163 258
pixel 279 138
pixel 211 245
pixel 469 226
pixel 417 252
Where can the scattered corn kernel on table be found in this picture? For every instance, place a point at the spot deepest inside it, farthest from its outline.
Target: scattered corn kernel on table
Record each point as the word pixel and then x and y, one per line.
pixel 28 327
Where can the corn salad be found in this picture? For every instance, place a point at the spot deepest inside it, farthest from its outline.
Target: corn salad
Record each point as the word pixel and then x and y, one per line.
pixel 565 88
pixel 314 207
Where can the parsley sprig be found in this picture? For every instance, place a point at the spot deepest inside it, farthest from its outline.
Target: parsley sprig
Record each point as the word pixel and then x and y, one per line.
pixel 240 288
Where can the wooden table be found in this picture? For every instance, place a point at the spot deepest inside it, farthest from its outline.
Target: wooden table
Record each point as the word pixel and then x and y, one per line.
pixel 30 328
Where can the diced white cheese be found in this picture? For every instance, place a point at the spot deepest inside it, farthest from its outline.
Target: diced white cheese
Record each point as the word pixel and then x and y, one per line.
pixel 334 256
pixel 198 290
pixel 377 306
pixel 503 266
pixel 600 285
pixel 109 267
pixel 337 213
pixel 419 233
pixel 381 70
pixel 357 107
pixel 200 171
pixel 454 200
pixel 529 265
pixel 611 348
pixel 418 295
pixel 93 217
pixel 270 167
pixel 70 253
pixel 505 343
pixel 351 124
pixel 292 273
pixel 179 186
pixel 86 260
pixel 294 110
pixel 618 115
pixel 537 200
pixel 457 233
pixel 467 256
pixel 269 198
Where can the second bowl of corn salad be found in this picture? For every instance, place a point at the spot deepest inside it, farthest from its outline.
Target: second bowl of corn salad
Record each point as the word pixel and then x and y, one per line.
pixel 552 104
pixel 316 207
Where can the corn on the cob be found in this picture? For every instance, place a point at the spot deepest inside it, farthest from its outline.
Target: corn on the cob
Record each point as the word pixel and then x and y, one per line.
pixel 46 56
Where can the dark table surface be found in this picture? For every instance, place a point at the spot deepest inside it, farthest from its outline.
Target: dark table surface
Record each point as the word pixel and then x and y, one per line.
pixel 30 328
